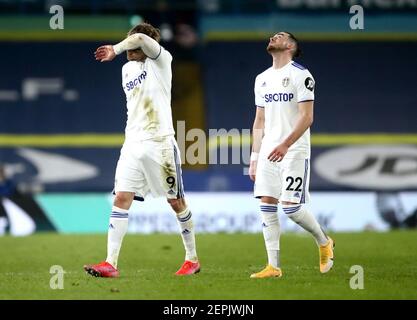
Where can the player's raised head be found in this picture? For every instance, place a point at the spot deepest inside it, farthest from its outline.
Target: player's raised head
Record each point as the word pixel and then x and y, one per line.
pixel 284 41
pixel 147 29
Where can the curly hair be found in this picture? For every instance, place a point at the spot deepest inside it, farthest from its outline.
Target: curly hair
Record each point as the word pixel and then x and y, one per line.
pixel 147 29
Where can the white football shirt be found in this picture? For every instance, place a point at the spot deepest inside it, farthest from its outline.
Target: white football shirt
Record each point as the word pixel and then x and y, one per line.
pixel 147 86
pixel 279 91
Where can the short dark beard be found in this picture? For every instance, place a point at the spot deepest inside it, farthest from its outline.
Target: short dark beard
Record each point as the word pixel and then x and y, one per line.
pixel 271 49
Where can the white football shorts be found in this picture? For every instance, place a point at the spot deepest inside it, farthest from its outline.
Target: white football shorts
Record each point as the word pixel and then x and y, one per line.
pixel 287 180
pixel 150 166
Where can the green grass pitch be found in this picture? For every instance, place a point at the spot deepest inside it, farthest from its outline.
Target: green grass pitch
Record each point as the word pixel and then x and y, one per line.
pixel 147 265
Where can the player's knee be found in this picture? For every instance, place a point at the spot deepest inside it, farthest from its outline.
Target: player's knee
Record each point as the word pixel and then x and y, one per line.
pixel 269 200
pixel 123 200
pixel 178 205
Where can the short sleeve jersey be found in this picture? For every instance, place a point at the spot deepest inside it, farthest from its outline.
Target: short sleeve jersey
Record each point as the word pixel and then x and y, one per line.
pixel 279 91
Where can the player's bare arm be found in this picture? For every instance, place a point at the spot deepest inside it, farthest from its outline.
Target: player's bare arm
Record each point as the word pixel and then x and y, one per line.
pixel 257 134
pixel 304 121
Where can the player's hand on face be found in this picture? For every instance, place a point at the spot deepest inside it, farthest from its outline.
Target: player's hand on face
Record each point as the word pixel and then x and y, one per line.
pixel 105 53
pixel 252 170
pixel 278 153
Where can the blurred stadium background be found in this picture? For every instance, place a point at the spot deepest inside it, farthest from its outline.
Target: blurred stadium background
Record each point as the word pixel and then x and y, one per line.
pixel 62 114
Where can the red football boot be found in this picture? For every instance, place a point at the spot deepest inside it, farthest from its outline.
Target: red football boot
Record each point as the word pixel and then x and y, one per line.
pixel 188 268
pixel 103 269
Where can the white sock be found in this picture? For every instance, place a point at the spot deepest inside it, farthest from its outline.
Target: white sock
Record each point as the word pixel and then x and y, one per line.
pixel 187 234
pixel 271 231
pixel 117 230
pixel 303 217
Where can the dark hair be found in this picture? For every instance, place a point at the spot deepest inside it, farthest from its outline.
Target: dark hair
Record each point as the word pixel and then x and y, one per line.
pixel 297 52
pixel 147 29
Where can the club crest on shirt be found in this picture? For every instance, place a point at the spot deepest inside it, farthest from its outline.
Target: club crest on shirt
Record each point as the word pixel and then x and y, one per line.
pixel 285 82
pixel 263 84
